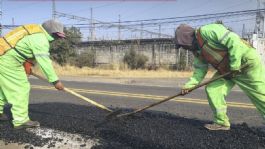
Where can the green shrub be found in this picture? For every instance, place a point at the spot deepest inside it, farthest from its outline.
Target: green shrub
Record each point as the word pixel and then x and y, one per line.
pixel 86 59
pixel 134 60
pixel 141 61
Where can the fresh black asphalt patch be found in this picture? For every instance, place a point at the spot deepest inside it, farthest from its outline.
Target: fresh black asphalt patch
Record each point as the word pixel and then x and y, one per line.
pixel 148 130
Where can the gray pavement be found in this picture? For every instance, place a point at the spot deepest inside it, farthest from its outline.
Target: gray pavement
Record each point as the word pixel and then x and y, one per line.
pixel 151 87
pixel 124 93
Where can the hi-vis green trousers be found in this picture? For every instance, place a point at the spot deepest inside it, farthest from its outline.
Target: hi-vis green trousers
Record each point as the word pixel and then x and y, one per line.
pixel 14 88
pixel 251 80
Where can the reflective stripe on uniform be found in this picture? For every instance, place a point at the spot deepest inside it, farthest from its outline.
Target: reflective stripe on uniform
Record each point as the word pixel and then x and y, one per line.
pixel 220 110
pixel 226 34
pixel 216 55
pixel 12 37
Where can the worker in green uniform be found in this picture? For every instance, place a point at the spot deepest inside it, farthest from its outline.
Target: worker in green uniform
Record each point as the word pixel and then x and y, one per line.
pixel 216 45
pixel 14 84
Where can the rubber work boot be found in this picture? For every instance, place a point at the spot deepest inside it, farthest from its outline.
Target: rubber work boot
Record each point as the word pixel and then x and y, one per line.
pixel 28 124
pixel 215 126
pixel 3 117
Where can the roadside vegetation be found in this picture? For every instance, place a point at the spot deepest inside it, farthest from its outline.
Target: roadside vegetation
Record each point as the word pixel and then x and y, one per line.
pixel 116 71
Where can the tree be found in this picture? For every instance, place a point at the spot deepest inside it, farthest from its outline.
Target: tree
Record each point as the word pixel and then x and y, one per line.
pixel 85 59
pixel 63 50
pixel 129 58
pixel 134 60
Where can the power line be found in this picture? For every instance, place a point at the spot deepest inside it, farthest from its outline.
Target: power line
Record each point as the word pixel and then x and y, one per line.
pixel 223 14
pixel 175 20
pixel 110 25
pixel 69 16
pixel 150 26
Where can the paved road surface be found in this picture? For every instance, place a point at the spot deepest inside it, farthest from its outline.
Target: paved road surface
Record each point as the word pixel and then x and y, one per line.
pixel 69 122
pixel 194 105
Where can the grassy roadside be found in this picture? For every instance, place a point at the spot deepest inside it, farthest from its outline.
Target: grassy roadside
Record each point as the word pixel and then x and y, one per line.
pixel 118 73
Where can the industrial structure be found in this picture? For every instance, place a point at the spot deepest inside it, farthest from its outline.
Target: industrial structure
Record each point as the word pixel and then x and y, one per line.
pixel 146 27
pixel 258 37
pixel 154 30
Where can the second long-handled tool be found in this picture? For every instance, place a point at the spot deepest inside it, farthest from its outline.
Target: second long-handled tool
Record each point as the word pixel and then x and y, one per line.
pixel 118 115
pixel 112 113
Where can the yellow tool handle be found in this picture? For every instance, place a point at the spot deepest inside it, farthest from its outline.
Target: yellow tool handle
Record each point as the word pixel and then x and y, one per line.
pixel 76 94
pixel 87 99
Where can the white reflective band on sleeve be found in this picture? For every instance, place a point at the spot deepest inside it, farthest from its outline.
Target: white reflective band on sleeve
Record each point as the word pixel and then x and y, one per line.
pixel 224 36
pixel 42 55
pixel 200 65
pixel 221 110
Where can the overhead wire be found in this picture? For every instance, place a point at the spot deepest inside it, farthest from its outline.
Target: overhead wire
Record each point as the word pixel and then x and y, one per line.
pixel 194 18
pixel 135 25
pixel 184 18
pixel 179 19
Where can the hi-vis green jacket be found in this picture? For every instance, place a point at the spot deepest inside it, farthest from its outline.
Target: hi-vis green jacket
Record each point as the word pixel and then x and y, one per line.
pixel 219 37
pixel 35 46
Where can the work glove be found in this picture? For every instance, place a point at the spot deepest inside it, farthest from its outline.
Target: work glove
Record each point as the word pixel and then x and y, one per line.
pixel 58 85
pixel 27 66
pixel 184 91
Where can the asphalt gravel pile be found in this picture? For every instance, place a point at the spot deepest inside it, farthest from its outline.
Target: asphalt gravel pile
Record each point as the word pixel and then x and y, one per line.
pixel 148 130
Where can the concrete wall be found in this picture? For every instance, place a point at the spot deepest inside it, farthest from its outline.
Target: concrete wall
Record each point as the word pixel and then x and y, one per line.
pixel 159 51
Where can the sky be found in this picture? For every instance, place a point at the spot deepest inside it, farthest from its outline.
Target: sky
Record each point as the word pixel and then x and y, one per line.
pixel 36 11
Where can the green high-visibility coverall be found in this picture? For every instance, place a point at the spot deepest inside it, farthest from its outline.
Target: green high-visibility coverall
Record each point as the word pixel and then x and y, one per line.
pixel 251 80
pixel 14 84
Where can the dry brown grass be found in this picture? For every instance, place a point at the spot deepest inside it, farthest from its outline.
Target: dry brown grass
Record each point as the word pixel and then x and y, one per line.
pixel 116 72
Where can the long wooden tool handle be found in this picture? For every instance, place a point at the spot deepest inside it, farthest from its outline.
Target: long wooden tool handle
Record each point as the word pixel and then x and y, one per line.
pixel 171 97
pixel 87 99
pixel 77 95
pixel 149 106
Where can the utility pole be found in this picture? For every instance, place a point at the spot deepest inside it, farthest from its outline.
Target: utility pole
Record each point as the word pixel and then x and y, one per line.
pixel 260 25
pixel 91 25
pixel 53 10
pixel 263 23
pixel 159 30
pixel 141 33
pixel 243 31
pixel 119 28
